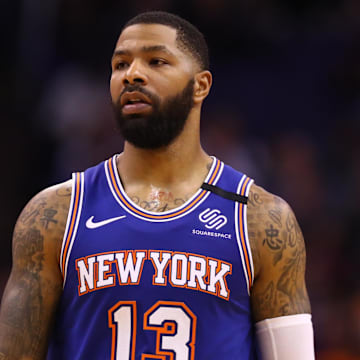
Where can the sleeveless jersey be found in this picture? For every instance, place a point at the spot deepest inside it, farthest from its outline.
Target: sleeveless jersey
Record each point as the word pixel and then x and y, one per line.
pixel 141 285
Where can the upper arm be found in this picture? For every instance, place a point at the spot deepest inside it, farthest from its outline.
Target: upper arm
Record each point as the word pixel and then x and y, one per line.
pixel 279 257
pixel 35 283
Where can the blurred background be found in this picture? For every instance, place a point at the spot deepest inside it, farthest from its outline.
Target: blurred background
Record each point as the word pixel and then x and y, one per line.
pixel 284 108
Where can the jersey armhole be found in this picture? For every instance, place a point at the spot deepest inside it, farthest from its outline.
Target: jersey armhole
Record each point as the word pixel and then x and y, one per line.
pixel 241 231
pixel 72 222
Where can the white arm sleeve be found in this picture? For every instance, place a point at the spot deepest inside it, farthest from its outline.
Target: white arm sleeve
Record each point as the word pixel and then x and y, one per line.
pixel 286 338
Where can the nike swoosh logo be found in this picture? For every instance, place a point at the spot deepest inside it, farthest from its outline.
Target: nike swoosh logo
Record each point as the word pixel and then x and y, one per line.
pixel 90 224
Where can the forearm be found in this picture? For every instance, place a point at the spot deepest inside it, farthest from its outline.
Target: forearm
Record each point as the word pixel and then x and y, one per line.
pixel 23 320
pixel 27 311
pixel 13 345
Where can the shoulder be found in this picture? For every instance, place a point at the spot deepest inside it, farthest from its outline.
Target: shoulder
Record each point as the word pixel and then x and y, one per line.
pixel 49 203
pixel 260 199
pixel 278 250
pixel 266 211
pixel 267 216
pixel 42 222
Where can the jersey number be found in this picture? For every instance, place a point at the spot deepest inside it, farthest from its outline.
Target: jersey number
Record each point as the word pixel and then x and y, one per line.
pixel 173 322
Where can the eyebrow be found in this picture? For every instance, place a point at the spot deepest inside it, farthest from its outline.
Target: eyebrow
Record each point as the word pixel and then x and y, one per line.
pixel 146 49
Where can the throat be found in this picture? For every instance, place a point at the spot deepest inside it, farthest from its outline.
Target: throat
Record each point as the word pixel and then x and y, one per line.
pixel 167 191
pixel 158 200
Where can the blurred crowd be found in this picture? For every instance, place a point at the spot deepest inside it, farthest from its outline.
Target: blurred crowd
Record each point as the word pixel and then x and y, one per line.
pixel 284 108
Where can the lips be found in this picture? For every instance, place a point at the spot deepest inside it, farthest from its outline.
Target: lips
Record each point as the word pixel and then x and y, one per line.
pixel 134 97
pixel 135 102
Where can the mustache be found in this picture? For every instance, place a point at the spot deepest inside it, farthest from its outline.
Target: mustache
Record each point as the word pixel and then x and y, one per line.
pixel 138 88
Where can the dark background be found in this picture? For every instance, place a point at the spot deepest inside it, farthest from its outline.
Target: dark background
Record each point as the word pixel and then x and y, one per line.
pixel 284 108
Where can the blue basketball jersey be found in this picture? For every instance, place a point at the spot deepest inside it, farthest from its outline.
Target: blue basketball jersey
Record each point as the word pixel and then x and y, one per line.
pixel 142 285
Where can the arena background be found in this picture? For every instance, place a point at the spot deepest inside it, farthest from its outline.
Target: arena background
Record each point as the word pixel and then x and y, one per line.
pixel 284 108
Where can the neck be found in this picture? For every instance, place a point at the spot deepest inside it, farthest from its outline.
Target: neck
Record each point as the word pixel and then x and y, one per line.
pixel 183 160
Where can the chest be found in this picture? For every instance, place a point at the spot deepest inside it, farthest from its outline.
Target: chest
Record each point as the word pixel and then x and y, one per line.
pixel 198 247
pixel 197 251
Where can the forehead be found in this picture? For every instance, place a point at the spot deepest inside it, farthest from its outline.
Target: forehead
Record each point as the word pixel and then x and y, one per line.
pixel 139 35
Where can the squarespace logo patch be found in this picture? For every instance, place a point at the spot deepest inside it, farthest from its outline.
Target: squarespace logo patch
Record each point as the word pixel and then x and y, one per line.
pixel 213 220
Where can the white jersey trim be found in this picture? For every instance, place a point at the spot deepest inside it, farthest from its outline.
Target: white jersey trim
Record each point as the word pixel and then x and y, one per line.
pixel 73 185
pixel 76 224
pixel 249 278
pixel 169 212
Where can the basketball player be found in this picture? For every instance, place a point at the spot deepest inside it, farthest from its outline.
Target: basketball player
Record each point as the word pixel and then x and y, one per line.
pixel 161 252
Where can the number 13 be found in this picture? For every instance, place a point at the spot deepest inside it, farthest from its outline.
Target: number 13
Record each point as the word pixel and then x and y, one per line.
pixel 174 323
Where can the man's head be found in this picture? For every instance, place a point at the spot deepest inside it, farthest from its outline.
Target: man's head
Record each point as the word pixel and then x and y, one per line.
pixel 159 74
pixel 188 37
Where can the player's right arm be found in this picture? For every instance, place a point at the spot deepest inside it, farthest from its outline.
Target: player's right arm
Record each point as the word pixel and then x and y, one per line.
pixel 34 287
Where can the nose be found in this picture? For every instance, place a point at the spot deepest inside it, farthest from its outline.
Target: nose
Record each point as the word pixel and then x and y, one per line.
pixel 135 74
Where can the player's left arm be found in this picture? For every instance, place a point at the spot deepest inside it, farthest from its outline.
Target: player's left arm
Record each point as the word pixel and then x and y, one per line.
pixel 280 303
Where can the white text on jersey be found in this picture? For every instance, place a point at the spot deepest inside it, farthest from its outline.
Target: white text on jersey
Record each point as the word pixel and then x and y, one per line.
pixel 179 269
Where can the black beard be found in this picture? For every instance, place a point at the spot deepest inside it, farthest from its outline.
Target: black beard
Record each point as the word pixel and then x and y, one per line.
pixel 163 125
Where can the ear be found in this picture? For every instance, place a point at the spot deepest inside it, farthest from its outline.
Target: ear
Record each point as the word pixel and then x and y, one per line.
pixel 202 85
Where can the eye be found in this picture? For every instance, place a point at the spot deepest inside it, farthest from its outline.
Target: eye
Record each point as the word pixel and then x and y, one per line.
pixel 158 62
pixel 120 65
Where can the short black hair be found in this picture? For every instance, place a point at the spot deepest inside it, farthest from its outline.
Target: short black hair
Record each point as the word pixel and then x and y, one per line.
pixel 189 37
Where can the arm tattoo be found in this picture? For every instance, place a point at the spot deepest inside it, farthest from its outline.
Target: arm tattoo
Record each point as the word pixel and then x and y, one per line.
pixel 48 217
pixel 29 246
pixel 64 191
pixel 254 199
pixel 293 230
pixel 275 243
pixel 265 299
pixel 280 253
pixel 275 216
pixel 294 267
pixel 22 315
pixel 29 216
pixel 35 284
